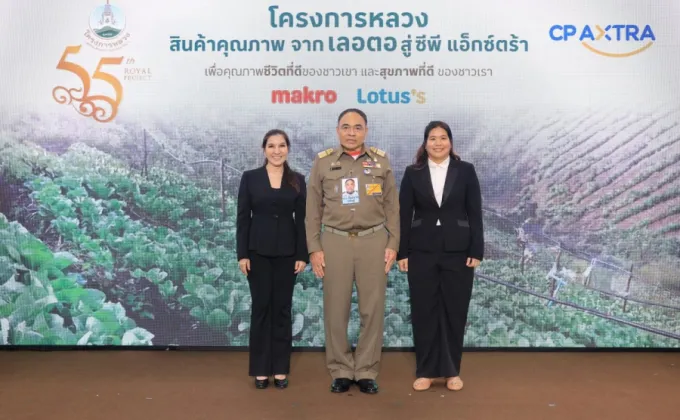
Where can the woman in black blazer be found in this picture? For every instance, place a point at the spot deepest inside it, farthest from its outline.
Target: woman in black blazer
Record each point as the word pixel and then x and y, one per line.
pixel 272 251
pixel 441 243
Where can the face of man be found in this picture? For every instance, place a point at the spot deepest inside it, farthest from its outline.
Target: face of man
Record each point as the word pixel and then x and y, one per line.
pixel 349 187
pixel 352 131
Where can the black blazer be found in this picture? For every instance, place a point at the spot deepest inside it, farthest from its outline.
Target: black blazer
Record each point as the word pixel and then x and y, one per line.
pixel 460 214
pixel 271 221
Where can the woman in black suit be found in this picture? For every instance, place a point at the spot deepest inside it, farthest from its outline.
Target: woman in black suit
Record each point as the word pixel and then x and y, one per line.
pixel 272 251
pixel 441 243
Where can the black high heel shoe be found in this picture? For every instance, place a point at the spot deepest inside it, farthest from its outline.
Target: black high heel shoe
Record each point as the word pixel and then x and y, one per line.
pixel 281 383
pixel 261 383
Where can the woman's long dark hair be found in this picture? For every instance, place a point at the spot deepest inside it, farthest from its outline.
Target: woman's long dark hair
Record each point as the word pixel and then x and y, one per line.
pixel 288 174
pixel 420 160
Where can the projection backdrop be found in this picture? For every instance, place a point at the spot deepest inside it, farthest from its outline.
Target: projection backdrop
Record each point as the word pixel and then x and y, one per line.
pixel 125 127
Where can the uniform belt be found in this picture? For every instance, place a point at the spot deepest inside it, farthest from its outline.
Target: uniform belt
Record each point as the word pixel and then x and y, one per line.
pixel 358 233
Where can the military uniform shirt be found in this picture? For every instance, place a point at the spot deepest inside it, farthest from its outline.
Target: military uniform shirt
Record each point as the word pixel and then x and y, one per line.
pixel 378 200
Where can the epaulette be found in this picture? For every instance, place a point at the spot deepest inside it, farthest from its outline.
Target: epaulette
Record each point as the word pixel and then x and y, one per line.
pixel 326 152
pixel 377 151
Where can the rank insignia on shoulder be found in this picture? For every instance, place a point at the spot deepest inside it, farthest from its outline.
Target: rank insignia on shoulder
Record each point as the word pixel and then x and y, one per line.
pixel 377 151
pixel 325 153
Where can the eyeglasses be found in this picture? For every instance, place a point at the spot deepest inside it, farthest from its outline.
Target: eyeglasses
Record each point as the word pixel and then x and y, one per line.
pixel 345 128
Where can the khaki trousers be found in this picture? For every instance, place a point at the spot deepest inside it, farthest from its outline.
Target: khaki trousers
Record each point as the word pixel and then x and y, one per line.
pixel 349 258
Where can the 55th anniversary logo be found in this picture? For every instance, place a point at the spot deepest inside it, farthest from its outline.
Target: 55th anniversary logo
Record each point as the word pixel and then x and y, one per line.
pixel 106 32
pixel 87 102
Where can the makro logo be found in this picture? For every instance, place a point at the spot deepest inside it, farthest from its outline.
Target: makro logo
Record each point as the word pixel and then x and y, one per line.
pixel 383 96
pixel 610 41
pixel 304 96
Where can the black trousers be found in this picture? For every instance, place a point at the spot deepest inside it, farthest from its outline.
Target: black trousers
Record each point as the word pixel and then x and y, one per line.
pixel 440 285
pixel 271 281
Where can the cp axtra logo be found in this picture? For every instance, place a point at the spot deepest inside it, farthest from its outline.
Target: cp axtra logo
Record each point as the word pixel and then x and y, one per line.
pixel 610 41
pixel 304 96
pixel 382 96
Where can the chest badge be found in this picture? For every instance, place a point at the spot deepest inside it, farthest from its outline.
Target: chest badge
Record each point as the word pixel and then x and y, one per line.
pixel 373 189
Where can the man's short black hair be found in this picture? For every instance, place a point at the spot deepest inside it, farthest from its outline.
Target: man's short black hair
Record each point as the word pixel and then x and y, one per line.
pixel 358 111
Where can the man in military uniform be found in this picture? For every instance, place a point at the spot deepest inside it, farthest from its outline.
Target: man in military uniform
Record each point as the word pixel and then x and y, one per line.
pixel 359 241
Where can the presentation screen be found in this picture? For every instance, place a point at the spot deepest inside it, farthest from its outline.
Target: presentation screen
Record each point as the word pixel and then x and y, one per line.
pixel 125 127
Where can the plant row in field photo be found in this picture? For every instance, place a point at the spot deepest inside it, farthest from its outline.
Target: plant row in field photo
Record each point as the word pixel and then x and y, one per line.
pixel 132 242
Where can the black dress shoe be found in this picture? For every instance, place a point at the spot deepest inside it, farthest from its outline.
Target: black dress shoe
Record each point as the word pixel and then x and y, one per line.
pixel 368 386
pixel 341 385
pixel 281 383
pixel 261 383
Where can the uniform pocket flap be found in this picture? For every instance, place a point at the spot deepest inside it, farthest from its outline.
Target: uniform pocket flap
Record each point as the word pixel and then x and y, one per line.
pixel 376 172
pixel 336 174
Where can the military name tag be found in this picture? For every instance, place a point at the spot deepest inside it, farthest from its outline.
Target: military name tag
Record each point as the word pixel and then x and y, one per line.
pixel 373 189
